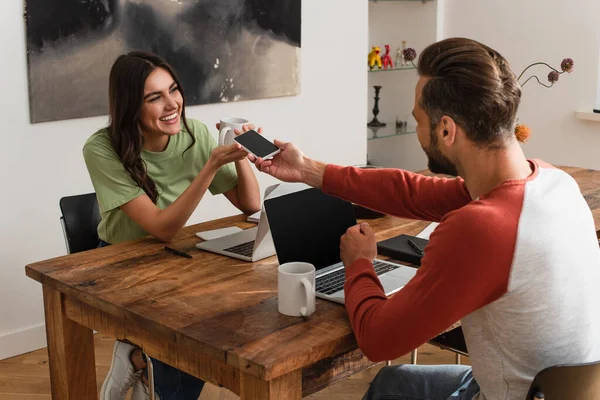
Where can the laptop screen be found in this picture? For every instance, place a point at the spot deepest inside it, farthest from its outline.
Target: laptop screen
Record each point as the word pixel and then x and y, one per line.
pixel 307 226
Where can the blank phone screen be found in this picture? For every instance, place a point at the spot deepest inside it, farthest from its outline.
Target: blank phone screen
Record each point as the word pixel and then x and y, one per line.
pixel 256 143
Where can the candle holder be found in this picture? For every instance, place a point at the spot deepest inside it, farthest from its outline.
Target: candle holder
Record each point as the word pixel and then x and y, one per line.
pixel 375 122
pixel 374 130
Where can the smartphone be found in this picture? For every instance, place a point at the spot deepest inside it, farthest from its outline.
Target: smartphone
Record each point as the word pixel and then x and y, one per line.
pixel 255 144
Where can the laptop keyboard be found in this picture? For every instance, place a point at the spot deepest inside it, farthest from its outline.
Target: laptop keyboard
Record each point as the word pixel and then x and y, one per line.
pixel 334 282
pixel 244 249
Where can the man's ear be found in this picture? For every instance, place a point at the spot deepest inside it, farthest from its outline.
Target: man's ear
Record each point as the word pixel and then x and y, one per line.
pixel 448 130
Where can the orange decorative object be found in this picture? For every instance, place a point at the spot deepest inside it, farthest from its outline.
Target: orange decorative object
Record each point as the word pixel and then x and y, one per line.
pixel 522 132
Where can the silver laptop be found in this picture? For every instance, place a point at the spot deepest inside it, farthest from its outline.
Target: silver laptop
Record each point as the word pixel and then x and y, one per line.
pixel 307 225
pixel 251 244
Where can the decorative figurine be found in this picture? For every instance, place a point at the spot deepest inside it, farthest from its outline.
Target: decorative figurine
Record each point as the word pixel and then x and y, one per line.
pixel 401 126
pixel 387 60
pixel 374 57
pixel 398 57
pixel 404 63
pixel 399 123
pixel 374 122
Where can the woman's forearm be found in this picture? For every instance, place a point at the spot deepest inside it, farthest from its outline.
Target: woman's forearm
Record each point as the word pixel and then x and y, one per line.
pixel 173 217
pixel 248 194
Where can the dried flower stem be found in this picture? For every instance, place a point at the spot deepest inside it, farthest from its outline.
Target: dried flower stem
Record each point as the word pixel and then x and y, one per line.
pixel 538 63
pixel 536 78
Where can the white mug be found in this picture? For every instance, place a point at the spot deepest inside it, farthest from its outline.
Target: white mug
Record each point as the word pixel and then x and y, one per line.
pixel 296 289
pixel 226 127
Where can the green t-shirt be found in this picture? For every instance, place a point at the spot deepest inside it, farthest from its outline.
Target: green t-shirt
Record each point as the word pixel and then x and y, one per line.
pixel 171 172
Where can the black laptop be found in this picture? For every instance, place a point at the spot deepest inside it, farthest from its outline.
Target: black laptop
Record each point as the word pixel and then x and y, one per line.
pixel 307 225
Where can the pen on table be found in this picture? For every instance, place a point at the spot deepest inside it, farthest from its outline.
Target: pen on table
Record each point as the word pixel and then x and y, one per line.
pixel 415 247
pixel 179 253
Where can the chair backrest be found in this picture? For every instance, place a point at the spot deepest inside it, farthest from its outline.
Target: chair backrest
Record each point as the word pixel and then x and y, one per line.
pixel 569 381
pixel 80 218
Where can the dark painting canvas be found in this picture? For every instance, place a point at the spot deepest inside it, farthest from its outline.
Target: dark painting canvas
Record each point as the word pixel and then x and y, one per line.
pixel 222 50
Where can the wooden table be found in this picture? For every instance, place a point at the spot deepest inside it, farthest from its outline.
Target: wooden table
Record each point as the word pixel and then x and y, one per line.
pixel 589 183
pixel 212 316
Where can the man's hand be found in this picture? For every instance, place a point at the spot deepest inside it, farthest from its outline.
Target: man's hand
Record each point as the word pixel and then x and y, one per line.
pixel 358 242
pixel 286 166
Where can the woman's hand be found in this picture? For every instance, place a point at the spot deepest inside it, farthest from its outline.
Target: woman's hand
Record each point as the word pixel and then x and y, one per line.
pixel 225 154
pixel 245 128
pixel 245 195
pixel 222 155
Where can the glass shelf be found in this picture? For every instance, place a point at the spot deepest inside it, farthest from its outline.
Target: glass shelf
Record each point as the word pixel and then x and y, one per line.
pixel 392 69
pixel 388 131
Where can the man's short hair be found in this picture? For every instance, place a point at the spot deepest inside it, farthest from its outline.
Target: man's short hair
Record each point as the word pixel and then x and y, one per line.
pixel 474 85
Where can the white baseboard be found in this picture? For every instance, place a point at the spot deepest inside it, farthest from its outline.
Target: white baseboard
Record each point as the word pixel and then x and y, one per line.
pixel 22 341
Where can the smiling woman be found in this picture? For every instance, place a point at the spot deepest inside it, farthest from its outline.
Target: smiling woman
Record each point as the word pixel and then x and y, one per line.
pixel 150 168
pixel 158 93
pixel 161 109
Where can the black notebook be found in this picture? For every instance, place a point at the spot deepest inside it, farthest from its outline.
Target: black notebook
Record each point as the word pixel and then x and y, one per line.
pixel 398 248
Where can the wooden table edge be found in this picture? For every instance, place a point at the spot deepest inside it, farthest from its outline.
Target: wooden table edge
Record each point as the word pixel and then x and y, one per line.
pixel 230 357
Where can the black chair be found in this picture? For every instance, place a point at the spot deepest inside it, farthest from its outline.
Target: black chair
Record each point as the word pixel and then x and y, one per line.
pixel 452 340
pixel 568 381
pixel 80 219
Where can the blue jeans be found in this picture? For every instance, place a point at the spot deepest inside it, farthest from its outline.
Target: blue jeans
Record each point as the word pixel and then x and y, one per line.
pixel 423 382
pixel 173 384
pixel 169 382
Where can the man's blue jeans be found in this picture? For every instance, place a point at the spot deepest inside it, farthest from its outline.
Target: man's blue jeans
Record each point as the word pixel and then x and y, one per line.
pixel 423 382
pixel 169 382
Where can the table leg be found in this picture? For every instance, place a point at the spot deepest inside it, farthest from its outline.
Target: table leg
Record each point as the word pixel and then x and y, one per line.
pixel 70 352
pixel 285 387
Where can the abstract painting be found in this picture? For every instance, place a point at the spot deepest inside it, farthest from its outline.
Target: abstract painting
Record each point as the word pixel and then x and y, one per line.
pixel 221 50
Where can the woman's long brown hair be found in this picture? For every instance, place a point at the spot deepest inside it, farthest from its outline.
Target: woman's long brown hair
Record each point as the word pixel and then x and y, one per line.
pixel 126 96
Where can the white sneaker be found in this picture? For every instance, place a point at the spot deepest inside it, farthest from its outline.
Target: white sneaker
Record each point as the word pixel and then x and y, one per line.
pixel 142 392
pixel 121 375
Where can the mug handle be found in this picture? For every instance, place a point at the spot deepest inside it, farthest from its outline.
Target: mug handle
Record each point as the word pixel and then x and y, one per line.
pixel 223 133
pixel 310 298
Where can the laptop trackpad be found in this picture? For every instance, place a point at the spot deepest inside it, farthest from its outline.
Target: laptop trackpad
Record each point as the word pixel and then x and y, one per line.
pixel 404 273
pixel 392 283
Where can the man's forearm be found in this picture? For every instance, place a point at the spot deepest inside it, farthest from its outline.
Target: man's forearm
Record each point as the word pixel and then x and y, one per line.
pixel 400 193
pixel 313 172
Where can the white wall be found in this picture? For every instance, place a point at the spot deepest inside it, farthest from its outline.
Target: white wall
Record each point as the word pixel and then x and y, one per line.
pixel 544 30
pixel 41 163
pixel 391 23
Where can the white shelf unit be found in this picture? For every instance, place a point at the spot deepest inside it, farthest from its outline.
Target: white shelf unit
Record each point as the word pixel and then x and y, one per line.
pixel 391 22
